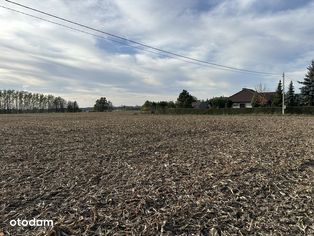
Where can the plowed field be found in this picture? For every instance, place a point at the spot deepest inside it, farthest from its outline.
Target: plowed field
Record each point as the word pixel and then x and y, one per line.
pixel 126 174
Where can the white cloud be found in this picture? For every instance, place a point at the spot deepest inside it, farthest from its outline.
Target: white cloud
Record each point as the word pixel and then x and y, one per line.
pixel 271 36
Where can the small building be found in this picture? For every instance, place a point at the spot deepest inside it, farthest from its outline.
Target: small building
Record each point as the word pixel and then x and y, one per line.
pixel 243 99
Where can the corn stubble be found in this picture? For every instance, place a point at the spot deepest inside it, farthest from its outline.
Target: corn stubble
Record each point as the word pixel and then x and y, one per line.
pixel 125 174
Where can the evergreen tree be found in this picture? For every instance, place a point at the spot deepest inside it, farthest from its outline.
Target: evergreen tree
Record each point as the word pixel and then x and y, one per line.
pixel 307 91
pixel 185 100
pixel 290 97
pixel 277 99
pixel 76 107
pixel 297 99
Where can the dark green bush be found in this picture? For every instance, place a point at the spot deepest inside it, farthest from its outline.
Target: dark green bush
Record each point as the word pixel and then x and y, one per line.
pixel 238 111
pixel 300 110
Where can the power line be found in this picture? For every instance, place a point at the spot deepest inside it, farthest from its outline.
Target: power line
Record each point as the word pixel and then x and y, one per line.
pixel 142 44
pixel 73 29
pixel 122 43
pixel 116 41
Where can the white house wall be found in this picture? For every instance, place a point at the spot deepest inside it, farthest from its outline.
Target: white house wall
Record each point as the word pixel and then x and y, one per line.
pixel 237 105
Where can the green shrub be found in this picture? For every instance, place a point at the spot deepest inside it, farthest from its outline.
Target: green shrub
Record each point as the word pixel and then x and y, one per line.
pixel 238 111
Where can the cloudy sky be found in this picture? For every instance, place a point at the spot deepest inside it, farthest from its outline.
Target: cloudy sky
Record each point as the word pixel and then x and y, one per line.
pixel 270 35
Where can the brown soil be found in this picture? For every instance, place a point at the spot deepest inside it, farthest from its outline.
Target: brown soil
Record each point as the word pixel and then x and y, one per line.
pixel 126 174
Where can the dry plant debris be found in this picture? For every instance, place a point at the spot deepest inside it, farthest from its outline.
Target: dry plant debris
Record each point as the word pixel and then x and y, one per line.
pixel 126 174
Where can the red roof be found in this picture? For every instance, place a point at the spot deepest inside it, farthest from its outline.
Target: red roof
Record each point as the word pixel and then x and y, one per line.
pixel 268 95
pixel 246 95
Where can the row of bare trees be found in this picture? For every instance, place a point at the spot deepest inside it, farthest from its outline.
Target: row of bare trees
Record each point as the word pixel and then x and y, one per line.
pixel 12 101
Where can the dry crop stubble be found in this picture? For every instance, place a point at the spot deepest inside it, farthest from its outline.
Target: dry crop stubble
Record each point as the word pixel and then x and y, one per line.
pixel 124 174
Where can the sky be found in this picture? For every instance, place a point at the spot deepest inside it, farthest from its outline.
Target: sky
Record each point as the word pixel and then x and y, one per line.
pixel 272 36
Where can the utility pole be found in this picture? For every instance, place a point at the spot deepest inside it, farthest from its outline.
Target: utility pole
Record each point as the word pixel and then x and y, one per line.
pixel 283 93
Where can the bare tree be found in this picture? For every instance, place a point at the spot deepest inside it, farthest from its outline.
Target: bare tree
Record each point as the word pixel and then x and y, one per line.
pixel 259 98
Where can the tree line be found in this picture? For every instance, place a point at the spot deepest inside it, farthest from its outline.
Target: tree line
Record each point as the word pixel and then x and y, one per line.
pixel 186 100
pixel 304 98
pixel 12 101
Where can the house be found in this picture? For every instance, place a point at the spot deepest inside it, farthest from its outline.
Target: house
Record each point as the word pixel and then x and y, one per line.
pixel 244 98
